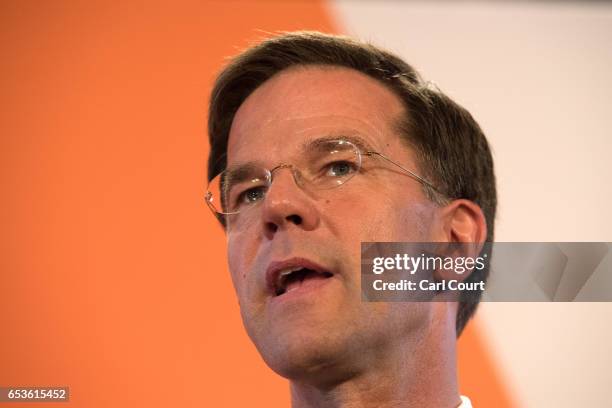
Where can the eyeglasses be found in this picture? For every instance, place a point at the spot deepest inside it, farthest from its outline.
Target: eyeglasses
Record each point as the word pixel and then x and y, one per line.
pixel 325 164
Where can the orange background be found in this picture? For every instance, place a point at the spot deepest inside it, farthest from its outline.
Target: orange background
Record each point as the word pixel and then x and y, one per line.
pixel 113 279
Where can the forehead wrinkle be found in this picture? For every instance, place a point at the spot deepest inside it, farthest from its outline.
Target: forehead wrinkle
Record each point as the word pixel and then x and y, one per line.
pixel 335 82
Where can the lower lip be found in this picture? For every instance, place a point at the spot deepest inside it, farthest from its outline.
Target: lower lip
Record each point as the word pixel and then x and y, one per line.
pixel 306 288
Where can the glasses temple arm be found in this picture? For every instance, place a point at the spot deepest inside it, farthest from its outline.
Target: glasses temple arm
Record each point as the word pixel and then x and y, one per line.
pixel 410 173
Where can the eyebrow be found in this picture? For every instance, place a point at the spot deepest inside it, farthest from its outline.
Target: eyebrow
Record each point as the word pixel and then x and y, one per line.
pixel 239 171
pixel 321 142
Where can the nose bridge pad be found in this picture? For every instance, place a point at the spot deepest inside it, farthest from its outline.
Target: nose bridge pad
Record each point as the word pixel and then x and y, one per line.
pixel 295 172
pixel 297 176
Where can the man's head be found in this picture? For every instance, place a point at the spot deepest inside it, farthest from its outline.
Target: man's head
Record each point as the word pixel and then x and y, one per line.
pixel 277 103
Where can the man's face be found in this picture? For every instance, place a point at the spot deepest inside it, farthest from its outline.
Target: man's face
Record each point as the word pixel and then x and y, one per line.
pixel 322 322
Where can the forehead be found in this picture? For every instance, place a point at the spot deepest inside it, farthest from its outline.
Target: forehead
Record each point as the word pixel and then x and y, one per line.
pixel 308 102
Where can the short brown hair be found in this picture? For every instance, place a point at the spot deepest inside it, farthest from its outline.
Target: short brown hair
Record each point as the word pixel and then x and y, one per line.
pixel 451 148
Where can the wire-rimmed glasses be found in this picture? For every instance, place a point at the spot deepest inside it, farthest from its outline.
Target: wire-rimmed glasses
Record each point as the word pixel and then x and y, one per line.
pixel 325 164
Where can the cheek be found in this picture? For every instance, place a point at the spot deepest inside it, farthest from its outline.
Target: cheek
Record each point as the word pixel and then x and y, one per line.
pixel 380 217
pixel 415 222
pixel 238 258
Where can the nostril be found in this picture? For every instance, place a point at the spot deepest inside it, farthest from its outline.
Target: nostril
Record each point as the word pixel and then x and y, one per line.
pixel 296 219
pixel 272 227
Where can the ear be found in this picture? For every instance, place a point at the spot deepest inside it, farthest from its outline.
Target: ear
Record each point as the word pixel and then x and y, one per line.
pixel 462 221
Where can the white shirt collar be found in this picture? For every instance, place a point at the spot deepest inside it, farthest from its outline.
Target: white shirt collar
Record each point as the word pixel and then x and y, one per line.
pixel 465 402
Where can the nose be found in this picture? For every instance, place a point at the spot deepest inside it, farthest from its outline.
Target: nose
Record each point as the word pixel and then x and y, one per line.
pixel 287 204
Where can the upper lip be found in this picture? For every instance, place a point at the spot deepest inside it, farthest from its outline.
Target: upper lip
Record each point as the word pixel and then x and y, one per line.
pixel 276 268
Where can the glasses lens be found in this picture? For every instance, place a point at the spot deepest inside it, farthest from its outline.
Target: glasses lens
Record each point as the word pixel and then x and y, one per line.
pixel 236 189
pixel 331 163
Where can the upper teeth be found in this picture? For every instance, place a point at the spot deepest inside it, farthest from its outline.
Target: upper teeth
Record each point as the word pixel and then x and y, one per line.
pixel 285 272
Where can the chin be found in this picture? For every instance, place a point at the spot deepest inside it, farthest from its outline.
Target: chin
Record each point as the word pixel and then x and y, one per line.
pixel 302 355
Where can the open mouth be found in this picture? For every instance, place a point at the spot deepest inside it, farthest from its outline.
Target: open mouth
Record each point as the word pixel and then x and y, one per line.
pixel 290 279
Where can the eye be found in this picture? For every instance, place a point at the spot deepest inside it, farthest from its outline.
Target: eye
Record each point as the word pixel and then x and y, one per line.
pixel 252 195
pixel 340 169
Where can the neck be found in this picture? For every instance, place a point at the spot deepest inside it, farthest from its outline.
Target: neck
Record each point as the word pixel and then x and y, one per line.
pixel 416 372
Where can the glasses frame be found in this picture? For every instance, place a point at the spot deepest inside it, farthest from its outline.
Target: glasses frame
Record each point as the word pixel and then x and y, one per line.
pixel 368 153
